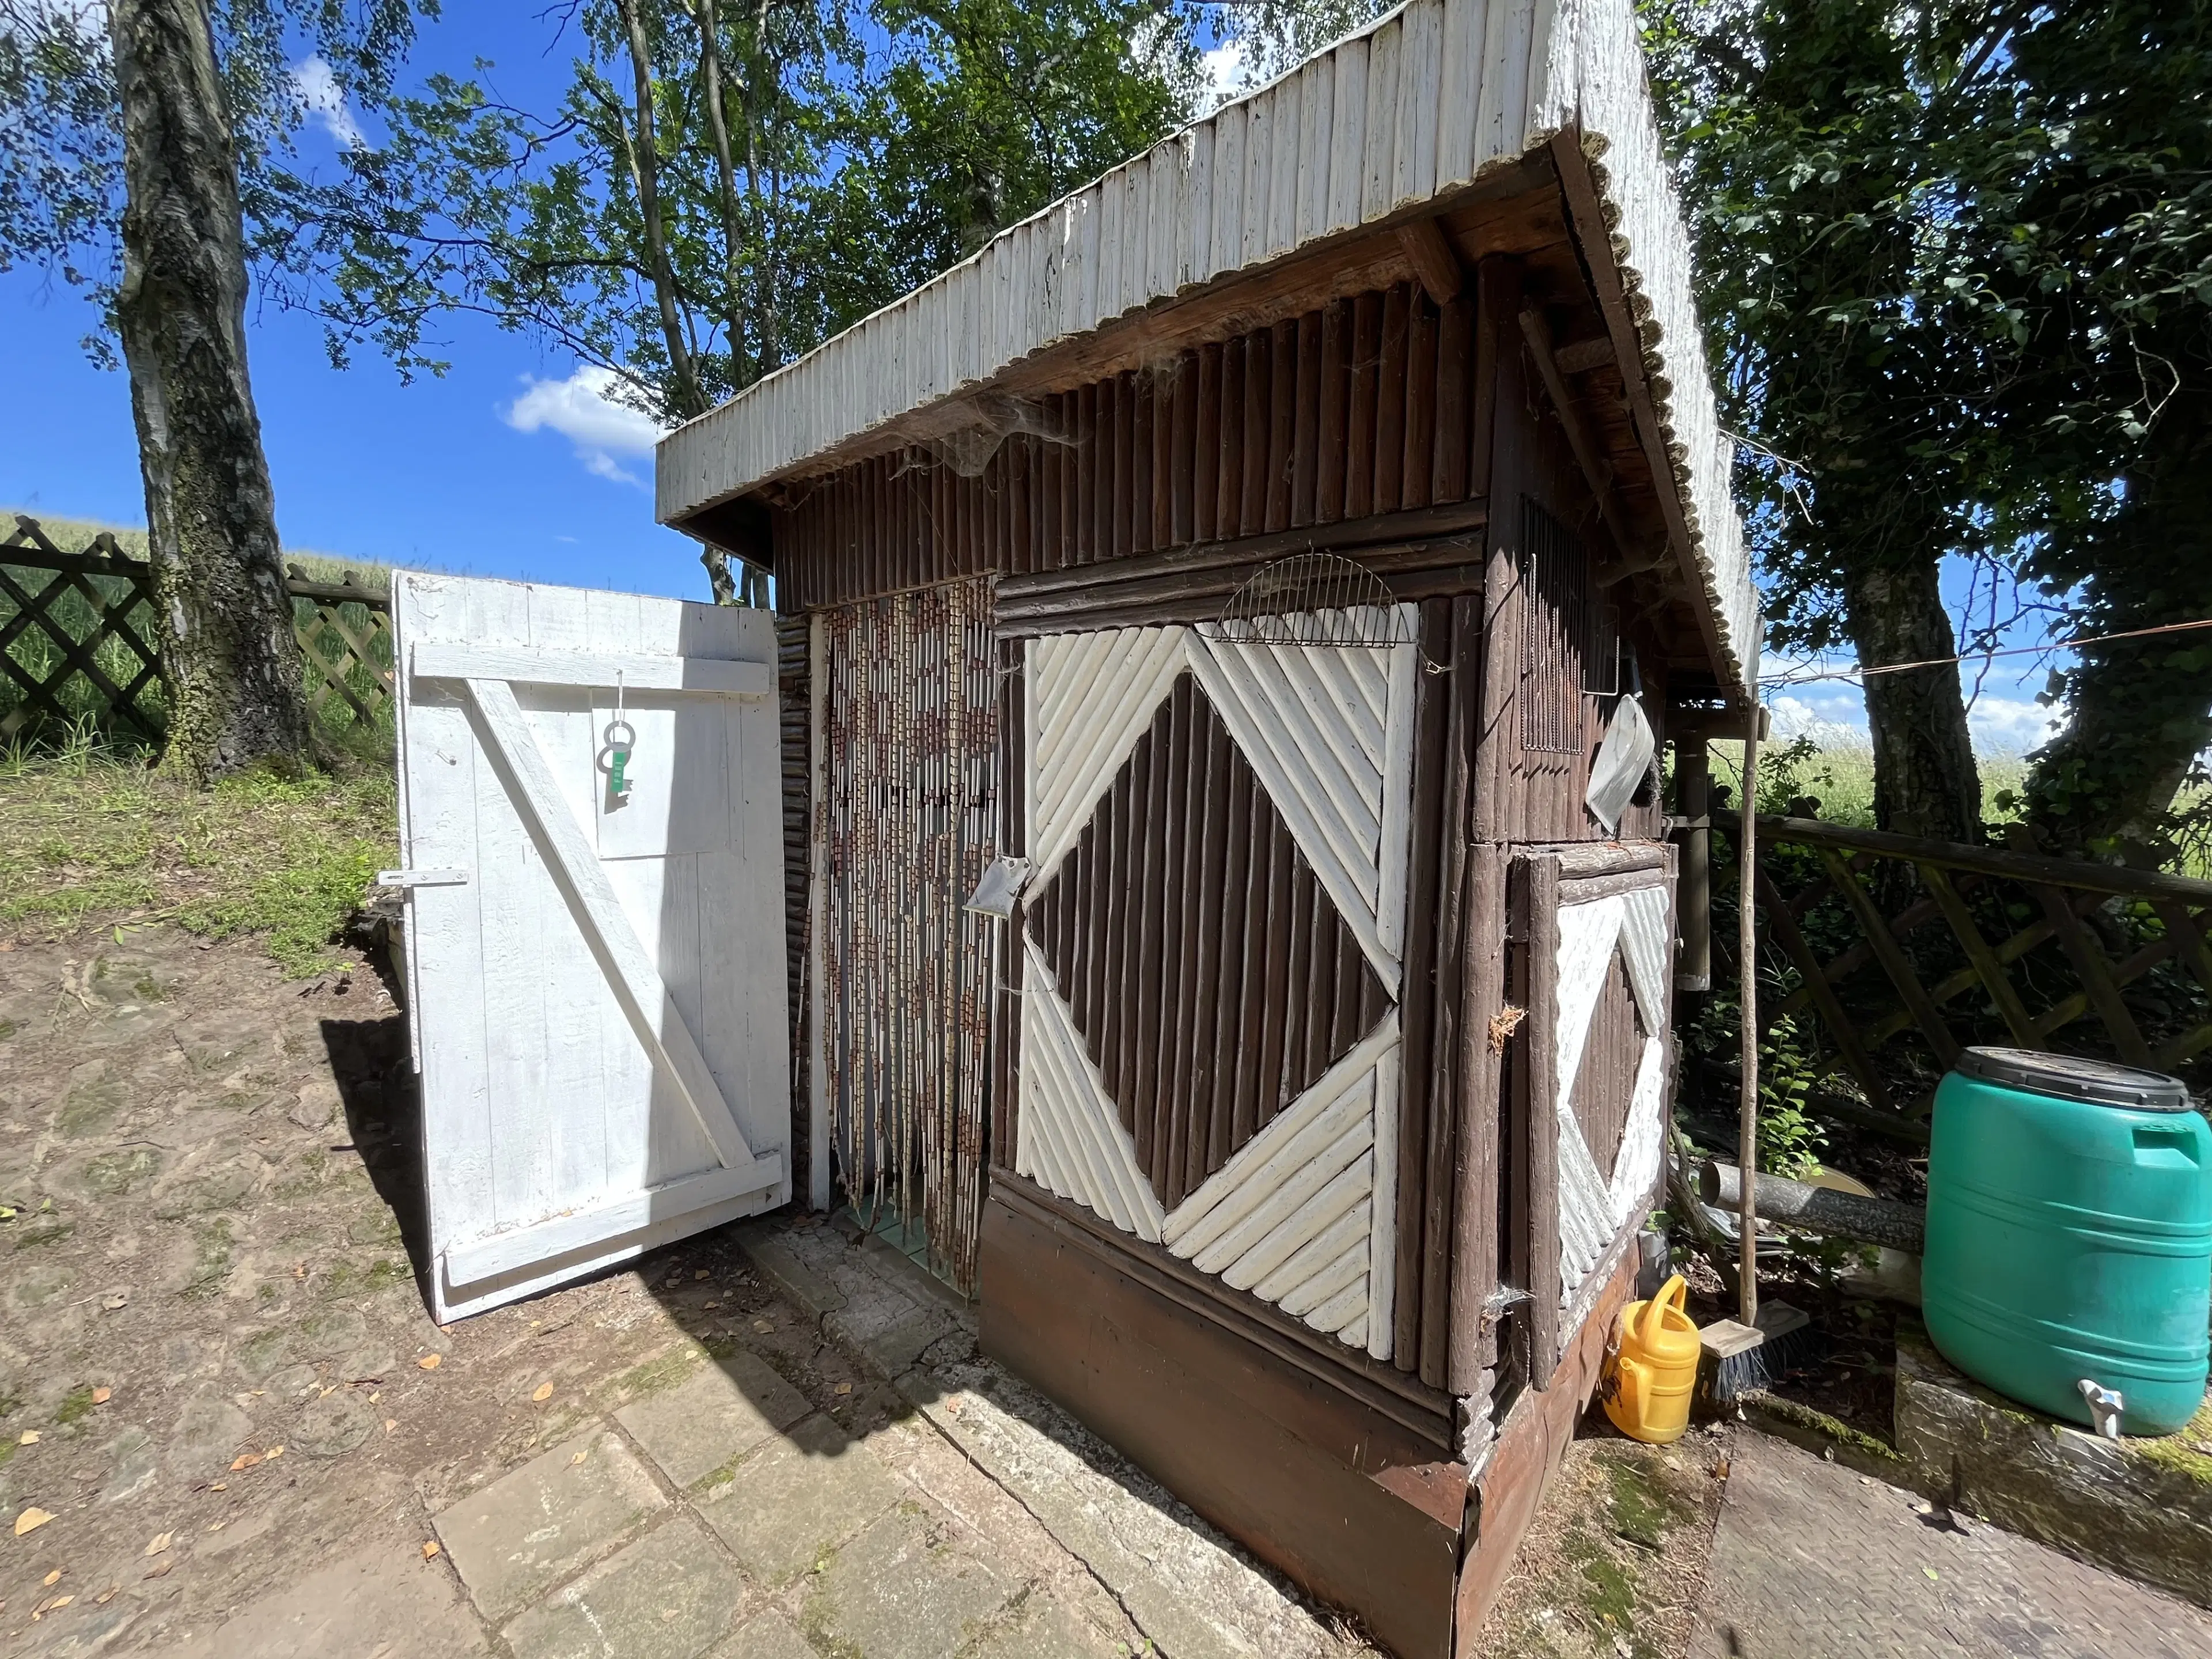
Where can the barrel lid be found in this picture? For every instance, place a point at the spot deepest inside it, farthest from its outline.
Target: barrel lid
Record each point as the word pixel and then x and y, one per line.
pixel 2069 1077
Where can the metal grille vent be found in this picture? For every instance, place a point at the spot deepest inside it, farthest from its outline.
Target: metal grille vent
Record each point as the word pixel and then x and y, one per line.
pixel 1312 599
pixel 1560 645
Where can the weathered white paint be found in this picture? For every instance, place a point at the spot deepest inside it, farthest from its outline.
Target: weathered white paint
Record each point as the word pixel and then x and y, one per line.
pixel 1596 1205
pixel 1072 1138
pixel 1093 697
pixel 601 1024
pixel 700 676
pixel 1422 103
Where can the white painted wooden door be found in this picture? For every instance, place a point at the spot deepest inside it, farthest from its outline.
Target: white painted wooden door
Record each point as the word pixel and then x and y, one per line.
pixel 596 984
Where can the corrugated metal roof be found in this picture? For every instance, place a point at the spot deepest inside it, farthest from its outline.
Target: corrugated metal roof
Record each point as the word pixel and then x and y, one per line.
pixel 1424 101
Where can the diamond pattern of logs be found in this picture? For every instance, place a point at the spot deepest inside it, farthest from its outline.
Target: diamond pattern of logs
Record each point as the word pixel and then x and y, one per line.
pixel 1210 1033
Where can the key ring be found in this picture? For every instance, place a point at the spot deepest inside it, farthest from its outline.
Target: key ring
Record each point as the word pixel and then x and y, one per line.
pixel 614 751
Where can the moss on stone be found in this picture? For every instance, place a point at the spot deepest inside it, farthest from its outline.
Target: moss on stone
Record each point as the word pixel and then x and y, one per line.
pixel 2179 1453
pixel 46 1232
pixel 661 1372
pixel 1818 1422
pixel 113 1174
pixel 75 1405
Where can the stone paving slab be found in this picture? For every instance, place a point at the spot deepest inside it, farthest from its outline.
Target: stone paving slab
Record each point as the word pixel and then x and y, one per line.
pixel 388 1601
pixel 669 1595
pixel 802 1494
pixel 1185 1587
pixel 767 1635
pixel 1814 1561
pixel 713 1416
pixel 525 1532
pixel 902 1590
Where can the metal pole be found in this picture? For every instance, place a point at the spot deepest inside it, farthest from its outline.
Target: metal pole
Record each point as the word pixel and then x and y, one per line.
pixel 1748 999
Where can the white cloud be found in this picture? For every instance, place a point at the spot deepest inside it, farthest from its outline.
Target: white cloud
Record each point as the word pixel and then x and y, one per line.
pixel 582 410
pixel 324 101
pixel 1224 68
pixel 1831 723
pixel 2012 725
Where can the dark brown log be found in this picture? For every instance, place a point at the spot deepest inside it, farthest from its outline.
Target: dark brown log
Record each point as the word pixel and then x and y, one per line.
pixel 1206 478
pixel 1416 476
pixel 1390 404
pixel 1359 423
pixel 1335 392
pixel 1430 253
pixel 1282 422
pixel 1537 1136
pixel 1475 1189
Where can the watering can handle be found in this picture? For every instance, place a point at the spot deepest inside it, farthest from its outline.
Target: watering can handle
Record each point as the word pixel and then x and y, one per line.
pixel 1674 1291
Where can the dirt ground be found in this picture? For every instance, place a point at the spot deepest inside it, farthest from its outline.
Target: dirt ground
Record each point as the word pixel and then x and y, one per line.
pixel 216 1369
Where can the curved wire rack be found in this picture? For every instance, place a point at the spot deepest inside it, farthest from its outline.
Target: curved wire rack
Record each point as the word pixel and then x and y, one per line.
pixel 1312 599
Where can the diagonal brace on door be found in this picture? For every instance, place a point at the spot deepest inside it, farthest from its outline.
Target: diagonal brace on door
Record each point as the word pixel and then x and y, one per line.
pixel 646 1000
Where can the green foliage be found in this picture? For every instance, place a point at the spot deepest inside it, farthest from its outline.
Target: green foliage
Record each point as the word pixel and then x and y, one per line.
pixel 61 152
pixel 1953 261
pixel 808 160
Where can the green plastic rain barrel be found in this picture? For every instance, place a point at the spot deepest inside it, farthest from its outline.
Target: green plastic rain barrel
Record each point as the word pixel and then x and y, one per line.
pixel 2069 1235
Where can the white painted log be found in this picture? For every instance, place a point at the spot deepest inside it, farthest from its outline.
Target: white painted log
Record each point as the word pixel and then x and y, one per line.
pixel 1349 1189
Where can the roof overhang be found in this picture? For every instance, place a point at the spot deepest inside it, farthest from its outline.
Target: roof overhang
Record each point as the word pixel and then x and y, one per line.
pixel 1441 100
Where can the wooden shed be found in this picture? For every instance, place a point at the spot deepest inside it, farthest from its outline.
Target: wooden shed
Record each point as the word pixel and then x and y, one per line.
pixel 1273 549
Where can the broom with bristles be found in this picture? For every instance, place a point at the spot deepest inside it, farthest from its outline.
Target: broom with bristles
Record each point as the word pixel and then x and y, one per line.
pixel 1734 1359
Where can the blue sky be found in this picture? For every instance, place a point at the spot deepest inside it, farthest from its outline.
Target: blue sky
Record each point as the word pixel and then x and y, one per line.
pixel 506 467
pixel 510 464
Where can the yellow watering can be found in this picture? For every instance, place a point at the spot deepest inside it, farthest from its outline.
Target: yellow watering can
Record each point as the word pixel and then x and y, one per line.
pixel 1652 1368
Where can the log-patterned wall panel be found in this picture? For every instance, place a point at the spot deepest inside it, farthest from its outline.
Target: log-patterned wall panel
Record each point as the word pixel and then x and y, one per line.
pixel 1211 980
pixel 1360 408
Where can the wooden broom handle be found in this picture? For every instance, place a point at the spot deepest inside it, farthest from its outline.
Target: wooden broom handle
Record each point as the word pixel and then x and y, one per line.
pixel 1747 1000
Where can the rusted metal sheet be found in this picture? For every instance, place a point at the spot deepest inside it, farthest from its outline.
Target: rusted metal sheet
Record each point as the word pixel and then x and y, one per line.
pixel 1275 429
pixel 906 820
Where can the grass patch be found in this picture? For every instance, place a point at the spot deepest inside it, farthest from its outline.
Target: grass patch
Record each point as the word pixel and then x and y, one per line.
pixel 210 1260
pixel 89 837
pixel 77 1407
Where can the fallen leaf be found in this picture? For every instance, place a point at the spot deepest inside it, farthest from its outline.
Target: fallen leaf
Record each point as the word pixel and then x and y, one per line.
pixel 274 1452
pixel 844 1387
pixel 429 1548
pixel 390 1426
pixel 377 1395
pixel 698 1272
pixel 107 1595
pixel 117 1303
pixel 429 1362
pixel 101 1396
pixel 244 1461
pixel 1721 1469
pixel 544 1391
pixel 31 1520
pixel 711 1306
pixel 161 1542
pixel 162 1568
pixel 51 1578
pixel 762 1326
pixel 575 1458
pixel 217 1526
pixel 30 1437
pixel 1932 1574
pixel 59 1601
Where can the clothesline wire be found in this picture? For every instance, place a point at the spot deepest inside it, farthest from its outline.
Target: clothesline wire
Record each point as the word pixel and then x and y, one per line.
pixel 1797 678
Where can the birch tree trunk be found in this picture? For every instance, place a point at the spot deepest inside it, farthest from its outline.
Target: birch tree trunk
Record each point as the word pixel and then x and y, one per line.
pixel 225 620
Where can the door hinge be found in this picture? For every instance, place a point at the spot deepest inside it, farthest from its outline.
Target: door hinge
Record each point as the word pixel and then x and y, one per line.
pixel 421 877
